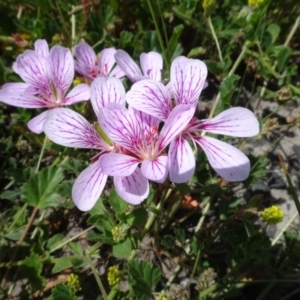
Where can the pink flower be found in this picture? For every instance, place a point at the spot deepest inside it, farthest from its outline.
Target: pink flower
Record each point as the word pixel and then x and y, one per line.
pixel 68 128
pixel 151 64
pixel 91 67
pixel 141 142
pixel 48 76
pixel 187 81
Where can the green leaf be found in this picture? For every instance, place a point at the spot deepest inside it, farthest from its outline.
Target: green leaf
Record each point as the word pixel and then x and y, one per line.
pixel 76 248
pixel 227 87
pixel 55 240
pixel 143 278
pixel 283 55
pixel 274 31
pixel 195 52
pixel 10 195
pixel 102 222
pixel 180 234
pixel 61 264
pixel 215 67
pixel 183 188
pixel 173 42
pixel 40 190
pixel 96 237
pixel 117 203
pixel 78 262
pixel 31 268
pixel 98 208
pixel 65 189
pixel 122 250
pixel 62 292
pixel 137 217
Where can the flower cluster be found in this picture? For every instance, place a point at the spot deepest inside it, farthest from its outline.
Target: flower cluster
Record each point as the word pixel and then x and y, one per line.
pixel 146 133
pixel 272 215
pixel 114 276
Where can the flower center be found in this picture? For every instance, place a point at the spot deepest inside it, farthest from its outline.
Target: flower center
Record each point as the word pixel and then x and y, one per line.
pixel 96 71
pixel 147 143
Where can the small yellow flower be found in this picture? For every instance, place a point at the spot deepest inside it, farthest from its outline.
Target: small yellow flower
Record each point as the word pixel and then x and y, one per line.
pixel 119 233
pixel 255 3
pixel 208 5
pixel 73 282
pixel 78 80
pixel 113 275
pixel 272 215
pixel 161 297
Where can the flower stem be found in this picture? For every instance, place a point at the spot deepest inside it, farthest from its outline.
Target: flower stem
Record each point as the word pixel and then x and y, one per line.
pixel 290 184
pixel 231 72
pixel 286 226
pixel 166 58
pixel 30 221
pixel 97 277
pixel 215 38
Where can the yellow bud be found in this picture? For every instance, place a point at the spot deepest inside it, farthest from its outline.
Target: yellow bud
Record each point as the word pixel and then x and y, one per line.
pixel 272 215
pixel 113 275
pixel 73 282
pixel 255 3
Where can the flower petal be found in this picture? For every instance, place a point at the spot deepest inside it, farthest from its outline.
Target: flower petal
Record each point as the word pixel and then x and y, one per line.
pixel 120 124
pixel 152 65
pixel 155 170
pixel 33 69
pixel 118 164
pixel 37 123
pixel 177 121
pixel 16 97
pixel 228 161
pixel 79 93
pixel 181 161
pixel 107 60
pixel 41 47
pixel 62 68
pixel 134 189
pixel 187 77
pixel 106 90
pixel 237 121
pixel 86 58
pixel 88 187
pixel 117 72
pixel 128 66
pixel 150 97
pixel 68 128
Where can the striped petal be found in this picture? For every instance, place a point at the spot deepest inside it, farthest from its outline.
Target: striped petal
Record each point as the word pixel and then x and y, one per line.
pixel 88 187
pixel 229 162
pixel 79 93
pixel 36 124
pixel 150 97
pixel 237 121
pixel 118 164
pixel 68 128
pixel 34 69
pixel 156 170
pixel 61 67
pixel 106 90
pixel 188 78
pixel 107 60
pixel 177 122
pixel 16 97
pixel 128 66
pixel 134 189
pixel 41 47
pixel 120 124
pixel 181 161
pixel 152 65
